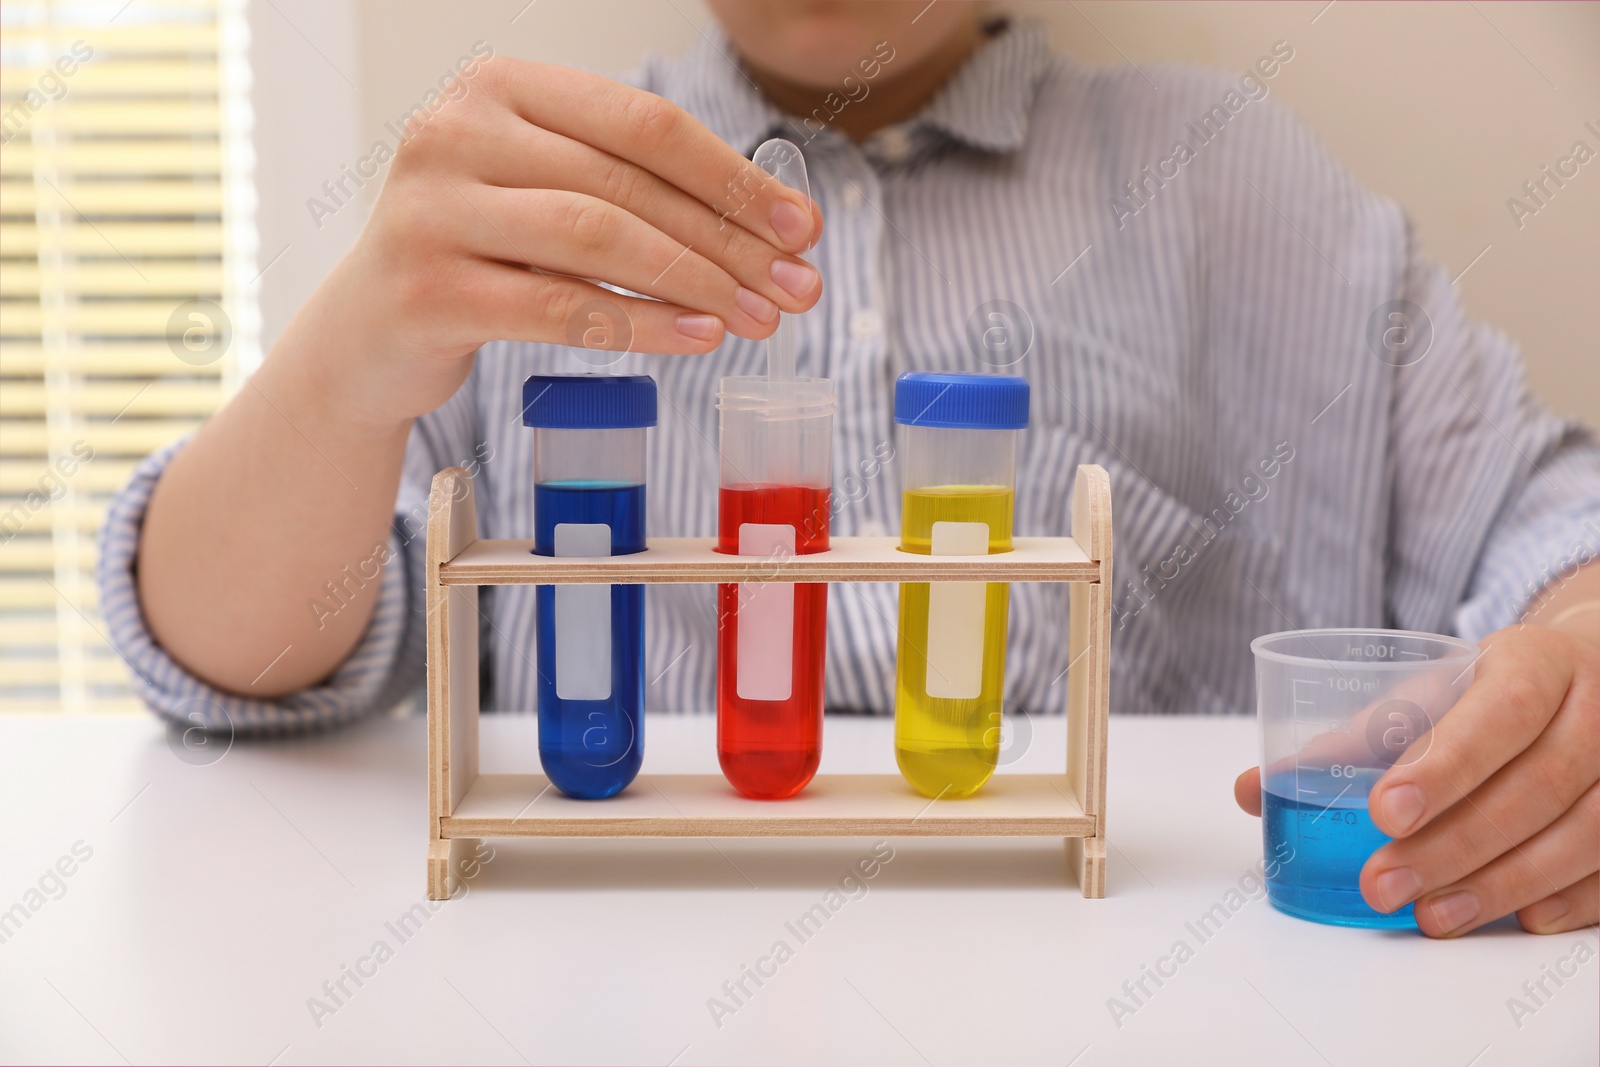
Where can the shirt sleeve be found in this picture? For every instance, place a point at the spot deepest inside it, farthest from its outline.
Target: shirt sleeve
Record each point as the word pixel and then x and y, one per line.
pixel 1490 496
pixel 383 669
pixel 1483 473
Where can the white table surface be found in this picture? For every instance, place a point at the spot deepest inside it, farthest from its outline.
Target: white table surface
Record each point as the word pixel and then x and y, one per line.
pixel 220 896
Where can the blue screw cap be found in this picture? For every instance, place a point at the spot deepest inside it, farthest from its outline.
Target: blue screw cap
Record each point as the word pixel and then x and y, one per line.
pixel 961 401
pixel 589 401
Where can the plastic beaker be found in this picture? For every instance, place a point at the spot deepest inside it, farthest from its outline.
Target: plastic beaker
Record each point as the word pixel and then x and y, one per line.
pixel 1338 708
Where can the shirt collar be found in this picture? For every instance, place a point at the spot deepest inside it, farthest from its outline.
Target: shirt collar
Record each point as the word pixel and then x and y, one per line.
pixel 985 105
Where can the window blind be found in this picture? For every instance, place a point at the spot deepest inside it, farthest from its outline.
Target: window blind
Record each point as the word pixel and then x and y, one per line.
pixel 127 296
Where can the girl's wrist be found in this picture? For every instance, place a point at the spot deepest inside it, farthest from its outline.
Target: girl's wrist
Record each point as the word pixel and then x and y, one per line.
pixel 329 379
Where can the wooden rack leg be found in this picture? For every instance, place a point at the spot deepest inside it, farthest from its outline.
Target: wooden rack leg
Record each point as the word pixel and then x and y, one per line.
pixel 1089 675
pixel 452 675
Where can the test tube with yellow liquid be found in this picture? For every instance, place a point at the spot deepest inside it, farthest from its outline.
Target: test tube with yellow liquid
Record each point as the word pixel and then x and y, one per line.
pixel 958 440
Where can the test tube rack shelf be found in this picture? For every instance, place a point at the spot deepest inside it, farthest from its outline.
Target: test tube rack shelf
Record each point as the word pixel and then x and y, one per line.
pixel 464 806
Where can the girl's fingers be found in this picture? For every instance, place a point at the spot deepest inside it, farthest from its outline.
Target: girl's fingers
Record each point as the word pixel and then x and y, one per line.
pixel 1573 908
pixel 1520 682
pixel 1247 791
pixel 662 138
pixel 816 226
pixel 1519 800
pixel 520 305
pixel 1560 855
pixel 583 236
pixel 528 157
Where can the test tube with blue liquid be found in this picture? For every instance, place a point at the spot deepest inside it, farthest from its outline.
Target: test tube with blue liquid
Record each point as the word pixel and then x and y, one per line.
pixel 589 501
pixel 1337 709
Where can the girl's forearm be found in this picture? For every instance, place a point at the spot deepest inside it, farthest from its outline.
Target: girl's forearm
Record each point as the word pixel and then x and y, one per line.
pixel 280 494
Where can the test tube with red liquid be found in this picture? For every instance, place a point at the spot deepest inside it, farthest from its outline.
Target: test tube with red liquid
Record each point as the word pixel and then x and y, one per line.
pixel 774 503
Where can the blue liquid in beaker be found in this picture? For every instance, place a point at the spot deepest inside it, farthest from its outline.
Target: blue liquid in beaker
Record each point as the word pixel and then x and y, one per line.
pixel 592 749
pixel 1318 827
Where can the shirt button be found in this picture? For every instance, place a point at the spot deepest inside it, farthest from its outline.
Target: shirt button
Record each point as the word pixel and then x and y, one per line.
pixel 894 144
pixel 853 197
pixel 866 324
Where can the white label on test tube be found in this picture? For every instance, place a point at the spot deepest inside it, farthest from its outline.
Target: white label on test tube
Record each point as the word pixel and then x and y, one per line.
pixel 583 618
pixel 955 616
pixel 765 668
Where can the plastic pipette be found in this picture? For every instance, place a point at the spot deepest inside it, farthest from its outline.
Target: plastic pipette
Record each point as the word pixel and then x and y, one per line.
pixel 783 161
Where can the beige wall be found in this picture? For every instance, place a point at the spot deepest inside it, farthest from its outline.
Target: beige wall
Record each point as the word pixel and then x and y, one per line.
pixel 1447 108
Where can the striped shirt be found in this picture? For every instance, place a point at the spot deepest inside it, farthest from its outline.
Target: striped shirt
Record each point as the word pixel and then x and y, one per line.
pixel 1301 426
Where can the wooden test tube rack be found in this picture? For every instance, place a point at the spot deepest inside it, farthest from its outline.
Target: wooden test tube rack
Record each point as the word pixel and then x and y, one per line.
pixel 464 806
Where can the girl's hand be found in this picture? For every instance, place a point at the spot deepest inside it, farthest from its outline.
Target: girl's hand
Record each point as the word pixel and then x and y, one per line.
pixel 1501 811
pixel 507 205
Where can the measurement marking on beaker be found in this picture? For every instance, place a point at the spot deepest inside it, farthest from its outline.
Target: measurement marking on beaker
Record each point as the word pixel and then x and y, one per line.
pixel 1297 700
pixel 1331 803
pixel 1380 651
